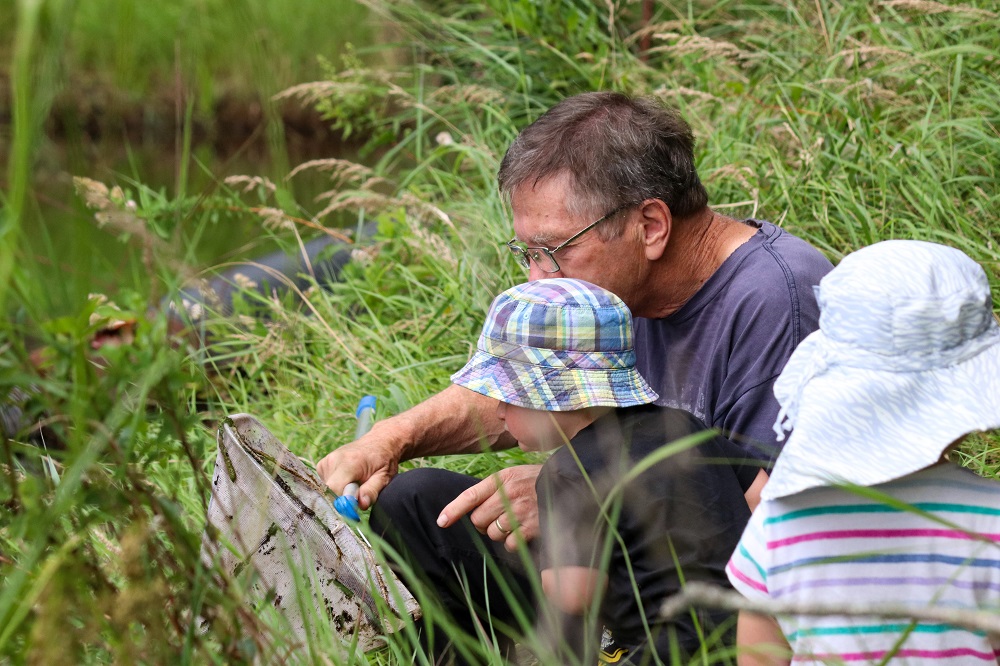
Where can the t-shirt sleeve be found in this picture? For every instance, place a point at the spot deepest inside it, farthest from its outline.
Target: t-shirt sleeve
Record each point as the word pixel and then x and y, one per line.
pixel 569 519
pixel 775 313
pixel 747 568
pixel 745 467
pixel 751 420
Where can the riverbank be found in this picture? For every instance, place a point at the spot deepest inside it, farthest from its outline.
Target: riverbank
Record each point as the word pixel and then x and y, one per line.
pixel 94 113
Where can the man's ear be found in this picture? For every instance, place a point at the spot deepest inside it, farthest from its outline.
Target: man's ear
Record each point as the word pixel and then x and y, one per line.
pixel 656 223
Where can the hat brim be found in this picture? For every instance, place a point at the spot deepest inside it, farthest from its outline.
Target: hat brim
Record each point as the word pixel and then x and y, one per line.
pixel 861 426
pixel 552 389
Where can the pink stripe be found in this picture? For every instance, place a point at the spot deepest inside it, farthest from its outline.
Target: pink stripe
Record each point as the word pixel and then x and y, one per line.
pixel 881 654
pixel 880 534
pixel 743 577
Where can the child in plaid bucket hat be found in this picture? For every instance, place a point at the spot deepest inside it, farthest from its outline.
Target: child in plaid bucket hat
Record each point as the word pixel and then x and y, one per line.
pixel 558 355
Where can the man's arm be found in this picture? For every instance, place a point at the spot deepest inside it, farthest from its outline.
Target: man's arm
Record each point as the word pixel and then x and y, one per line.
pixel 456 420
pixel 760 642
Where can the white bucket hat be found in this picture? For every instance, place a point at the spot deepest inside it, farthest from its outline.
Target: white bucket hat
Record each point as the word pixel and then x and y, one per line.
pixel 906 361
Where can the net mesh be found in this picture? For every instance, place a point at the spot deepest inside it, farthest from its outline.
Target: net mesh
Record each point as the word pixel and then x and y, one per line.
pixel 271 521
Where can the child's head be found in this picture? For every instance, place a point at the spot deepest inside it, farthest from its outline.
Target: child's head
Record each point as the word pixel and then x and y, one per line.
pixel 558 346
pixel 905 362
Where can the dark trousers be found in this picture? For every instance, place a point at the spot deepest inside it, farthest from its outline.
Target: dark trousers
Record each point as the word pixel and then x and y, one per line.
pixel 485 591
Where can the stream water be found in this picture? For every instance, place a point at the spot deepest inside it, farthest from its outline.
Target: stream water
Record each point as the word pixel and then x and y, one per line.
pixel 72 256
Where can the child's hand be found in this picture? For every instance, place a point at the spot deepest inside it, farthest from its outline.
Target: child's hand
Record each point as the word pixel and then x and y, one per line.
pixel 572 589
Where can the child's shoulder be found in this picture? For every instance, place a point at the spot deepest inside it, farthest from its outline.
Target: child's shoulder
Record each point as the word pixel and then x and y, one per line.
pixel 632 433
pixel 948 480
pixel 947 483
pixel 691 443
pixel 646 427
pixel 668 443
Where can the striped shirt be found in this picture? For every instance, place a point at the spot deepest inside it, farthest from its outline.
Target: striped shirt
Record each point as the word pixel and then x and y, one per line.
pixel 936 543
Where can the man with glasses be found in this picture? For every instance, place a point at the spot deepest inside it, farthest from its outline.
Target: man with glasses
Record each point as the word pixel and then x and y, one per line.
pixel 603 188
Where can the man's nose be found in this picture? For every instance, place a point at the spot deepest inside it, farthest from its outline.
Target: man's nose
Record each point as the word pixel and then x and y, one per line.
pixel 501 410
pixel 536 273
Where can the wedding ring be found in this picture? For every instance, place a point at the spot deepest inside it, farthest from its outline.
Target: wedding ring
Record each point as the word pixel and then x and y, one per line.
pixel 501 528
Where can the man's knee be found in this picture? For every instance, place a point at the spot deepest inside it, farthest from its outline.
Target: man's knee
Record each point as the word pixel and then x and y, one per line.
pixel 418 496
pixel 418 482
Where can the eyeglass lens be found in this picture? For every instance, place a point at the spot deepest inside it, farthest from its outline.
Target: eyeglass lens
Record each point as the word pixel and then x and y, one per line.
pixel 542 259
pixel 520 255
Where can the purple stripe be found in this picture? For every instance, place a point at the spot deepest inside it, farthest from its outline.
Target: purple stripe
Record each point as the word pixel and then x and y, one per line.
pixel 881 654
pixel 884 558
pixel 910 580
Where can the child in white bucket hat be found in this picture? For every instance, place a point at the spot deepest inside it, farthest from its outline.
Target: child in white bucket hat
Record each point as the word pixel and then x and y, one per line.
pixel 862 504
pixel 614 540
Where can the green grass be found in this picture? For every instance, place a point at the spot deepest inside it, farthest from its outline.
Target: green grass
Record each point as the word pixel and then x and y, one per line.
pixel 859 123
pixel 136 49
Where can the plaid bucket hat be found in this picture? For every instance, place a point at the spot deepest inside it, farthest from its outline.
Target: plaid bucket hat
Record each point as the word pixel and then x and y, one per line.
pixel 557 345
pixel 906 361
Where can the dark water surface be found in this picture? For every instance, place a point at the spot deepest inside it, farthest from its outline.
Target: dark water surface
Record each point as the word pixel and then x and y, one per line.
pixel 71 256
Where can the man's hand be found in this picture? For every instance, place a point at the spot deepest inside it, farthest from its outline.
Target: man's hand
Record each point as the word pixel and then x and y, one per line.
pixel 371 461
pixel 508 497
pixel 456 420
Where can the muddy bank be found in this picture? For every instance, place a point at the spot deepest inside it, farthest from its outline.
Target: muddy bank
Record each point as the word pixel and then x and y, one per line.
pixel 91 113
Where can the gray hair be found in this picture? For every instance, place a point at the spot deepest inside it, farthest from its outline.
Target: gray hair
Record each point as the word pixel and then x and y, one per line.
pixel 616 150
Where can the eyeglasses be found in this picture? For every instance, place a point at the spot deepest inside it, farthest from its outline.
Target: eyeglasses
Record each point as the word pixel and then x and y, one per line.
pixel 543 256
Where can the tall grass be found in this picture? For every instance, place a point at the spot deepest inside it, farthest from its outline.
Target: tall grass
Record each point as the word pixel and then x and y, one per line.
pixel 30 107
pixel 133 49
pixel 846 124
pixel 162 93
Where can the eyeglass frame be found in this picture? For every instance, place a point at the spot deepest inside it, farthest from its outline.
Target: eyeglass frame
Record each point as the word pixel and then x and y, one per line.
pixel 521 251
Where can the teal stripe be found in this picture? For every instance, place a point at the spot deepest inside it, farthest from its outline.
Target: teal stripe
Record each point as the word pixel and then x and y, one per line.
pixel 749 558
pixel 958 508
pixel 880 629
pixel 828 510
pixel 882 508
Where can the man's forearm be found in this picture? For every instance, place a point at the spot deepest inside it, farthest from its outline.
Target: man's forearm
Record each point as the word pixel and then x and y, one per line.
pixel 456 420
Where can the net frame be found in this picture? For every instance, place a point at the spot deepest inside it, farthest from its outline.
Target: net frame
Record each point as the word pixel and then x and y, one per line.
pixel 271 525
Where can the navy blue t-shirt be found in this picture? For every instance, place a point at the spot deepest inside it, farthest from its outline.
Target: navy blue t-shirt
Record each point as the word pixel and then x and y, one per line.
pixel 678 520
pixel 718 356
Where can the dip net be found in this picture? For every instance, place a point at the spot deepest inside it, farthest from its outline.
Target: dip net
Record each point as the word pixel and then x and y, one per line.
pixel 271 524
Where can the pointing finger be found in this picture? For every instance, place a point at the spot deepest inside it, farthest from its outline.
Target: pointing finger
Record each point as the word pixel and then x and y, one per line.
pixel 467 501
